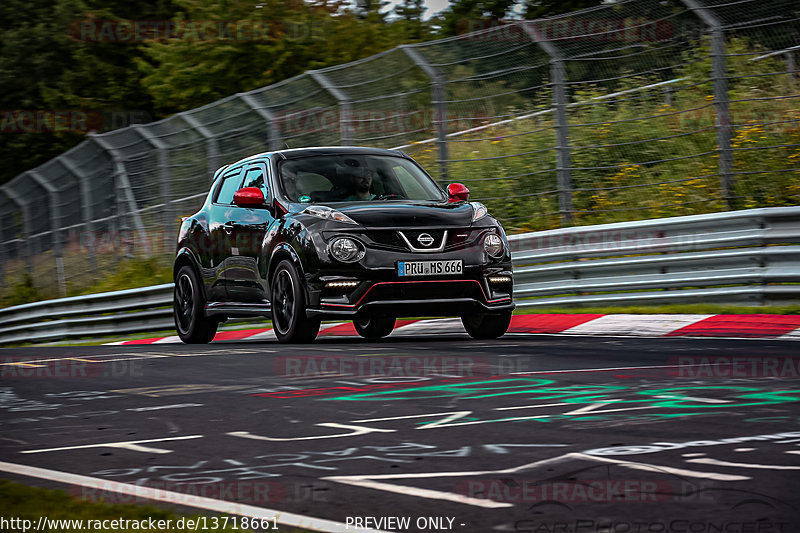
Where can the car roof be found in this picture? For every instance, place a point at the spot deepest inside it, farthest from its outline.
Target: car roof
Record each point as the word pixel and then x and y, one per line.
pixel 297 153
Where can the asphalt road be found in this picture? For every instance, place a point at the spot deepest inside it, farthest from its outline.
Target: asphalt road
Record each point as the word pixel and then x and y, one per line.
pixel 438 433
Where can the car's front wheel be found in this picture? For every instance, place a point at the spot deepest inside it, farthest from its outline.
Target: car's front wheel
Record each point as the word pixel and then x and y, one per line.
pixel 374 327
pixel 485 326
pixel 188 308
pixel 288 302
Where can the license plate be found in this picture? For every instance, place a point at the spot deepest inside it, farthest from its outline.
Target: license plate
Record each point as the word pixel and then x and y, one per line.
pixel 429 268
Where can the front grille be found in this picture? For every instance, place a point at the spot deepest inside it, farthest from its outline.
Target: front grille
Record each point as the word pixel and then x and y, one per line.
pixel 388 238
pixel 413 238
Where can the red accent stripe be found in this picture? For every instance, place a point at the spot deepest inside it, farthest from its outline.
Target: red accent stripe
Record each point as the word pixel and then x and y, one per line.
pixel 237 334
pixel 143 341
pixel 547 323
pixel 420 281
pixel 749 326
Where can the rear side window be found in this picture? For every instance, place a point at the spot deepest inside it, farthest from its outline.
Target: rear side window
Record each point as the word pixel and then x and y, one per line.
pixel 230 184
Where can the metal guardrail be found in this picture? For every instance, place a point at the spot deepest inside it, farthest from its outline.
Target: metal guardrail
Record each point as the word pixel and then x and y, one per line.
pixel 743 257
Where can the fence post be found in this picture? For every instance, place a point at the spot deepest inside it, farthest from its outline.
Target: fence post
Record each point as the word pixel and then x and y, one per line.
pixel 6 241
pixel 439 101
pixel 26 224
pixel 168 217
pixel 55 216
pixel 274 132
pixel 124 190
pixel 212 146
pixel 345 107
pixel 721 101
pixel 86 208
pixel 563 155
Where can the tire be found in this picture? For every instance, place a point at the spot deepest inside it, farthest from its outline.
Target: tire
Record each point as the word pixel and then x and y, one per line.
pixel 482 326
pixel 289 320
pixel 188 309
pixel 374 327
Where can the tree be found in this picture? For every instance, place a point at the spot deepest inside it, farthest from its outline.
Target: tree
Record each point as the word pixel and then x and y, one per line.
pixel 534 9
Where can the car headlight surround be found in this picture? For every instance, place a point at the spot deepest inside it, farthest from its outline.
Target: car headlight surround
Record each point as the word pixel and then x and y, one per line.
pixel 346 249
pixel 478 211
pixel 328 213
pixel 493 245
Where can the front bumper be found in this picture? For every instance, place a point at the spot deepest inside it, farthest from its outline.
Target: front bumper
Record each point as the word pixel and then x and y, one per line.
pixel 376 288
pixel 428 297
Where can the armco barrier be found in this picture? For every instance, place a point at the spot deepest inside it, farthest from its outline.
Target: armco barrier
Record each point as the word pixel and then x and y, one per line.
pixel 749 257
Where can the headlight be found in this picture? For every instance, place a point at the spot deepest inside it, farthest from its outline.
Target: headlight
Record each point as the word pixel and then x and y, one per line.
pixel 323 211
pixel 346 250
pixel 493 245
pixel 478 210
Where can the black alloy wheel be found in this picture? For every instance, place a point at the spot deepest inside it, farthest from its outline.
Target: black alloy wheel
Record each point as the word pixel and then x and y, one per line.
pixel 188 307
pixel 289 318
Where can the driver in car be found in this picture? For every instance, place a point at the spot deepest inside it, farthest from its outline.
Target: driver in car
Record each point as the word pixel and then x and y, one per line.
pixel 360 184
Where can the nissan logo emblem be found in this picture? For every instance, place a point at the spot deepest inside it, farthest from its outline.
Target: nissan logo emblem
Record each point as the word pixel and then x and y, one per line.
pixel 424 239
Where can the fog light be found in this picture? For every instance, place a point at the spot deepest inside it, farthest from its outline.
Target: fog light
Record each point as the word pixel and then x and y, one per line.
pixel 341 285
pixel 346 250
pixel 493 245
pixel 499 280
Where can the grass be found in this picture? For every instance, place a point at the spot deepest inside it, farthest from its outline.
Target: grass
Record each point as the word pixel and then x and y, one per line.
pixel 31 503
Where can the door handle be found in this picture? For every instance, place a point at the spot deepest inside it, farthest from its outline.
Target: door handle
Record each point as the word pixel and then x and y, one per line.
pixel 228 228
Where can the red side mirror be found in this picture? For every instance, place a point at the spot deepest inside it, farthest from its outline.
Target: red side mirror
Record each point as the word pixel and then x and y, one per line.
pixel 249 197
pixel 457 192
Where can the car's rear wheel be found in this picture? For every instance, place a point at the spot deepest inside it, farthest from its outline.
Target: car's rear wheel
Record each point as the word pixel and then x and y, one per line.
pixel 485 326
pixel 289 320
pixel 374 327
pixel 189 309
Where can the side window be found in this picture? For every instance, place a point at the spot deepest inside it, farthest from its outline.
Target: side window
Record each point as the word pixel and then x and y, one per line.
pixel 230 184
pixel 411 186
pixel 256 177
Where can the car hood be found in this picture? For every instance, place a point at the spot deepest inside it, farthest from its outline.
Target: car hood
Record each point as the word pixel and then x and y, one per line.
pixel 399 215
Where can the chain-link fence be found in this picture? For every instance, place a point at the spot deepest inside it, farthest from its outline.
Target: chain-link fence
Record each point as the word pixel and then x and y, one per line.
pixel 634 109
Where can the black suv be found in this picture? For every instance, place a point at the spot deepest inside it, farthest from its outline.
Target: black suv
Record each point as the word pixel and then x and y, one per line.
pixel 329 233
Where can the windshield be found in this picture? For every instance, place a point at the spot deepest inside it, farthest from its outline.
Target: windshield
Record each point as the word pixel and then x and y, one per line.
pixel 349 178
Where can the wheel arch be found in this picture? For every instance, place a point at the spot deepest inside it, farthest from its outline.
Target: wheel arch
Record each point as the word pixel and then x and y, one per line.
pixel 185 257
pixel 285 251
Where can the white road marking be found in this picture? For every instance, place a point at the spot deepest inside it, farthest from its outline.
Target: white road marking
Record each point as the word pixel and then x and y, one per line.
pixel 378 482
pixel 356 430
pixel 176 498
pixel 132 445
pixel 425 327
pixel 666 469
pixel 716 462
pixel 691 398
pixel 268 335
pixel 792 335
pixel 168 340
pixel 643 325
pixel 160 407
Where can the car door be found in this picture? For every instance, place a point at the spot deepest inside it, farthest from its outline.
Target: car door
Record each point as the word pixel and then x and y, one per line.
pixel 249 225
pixel 221 235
